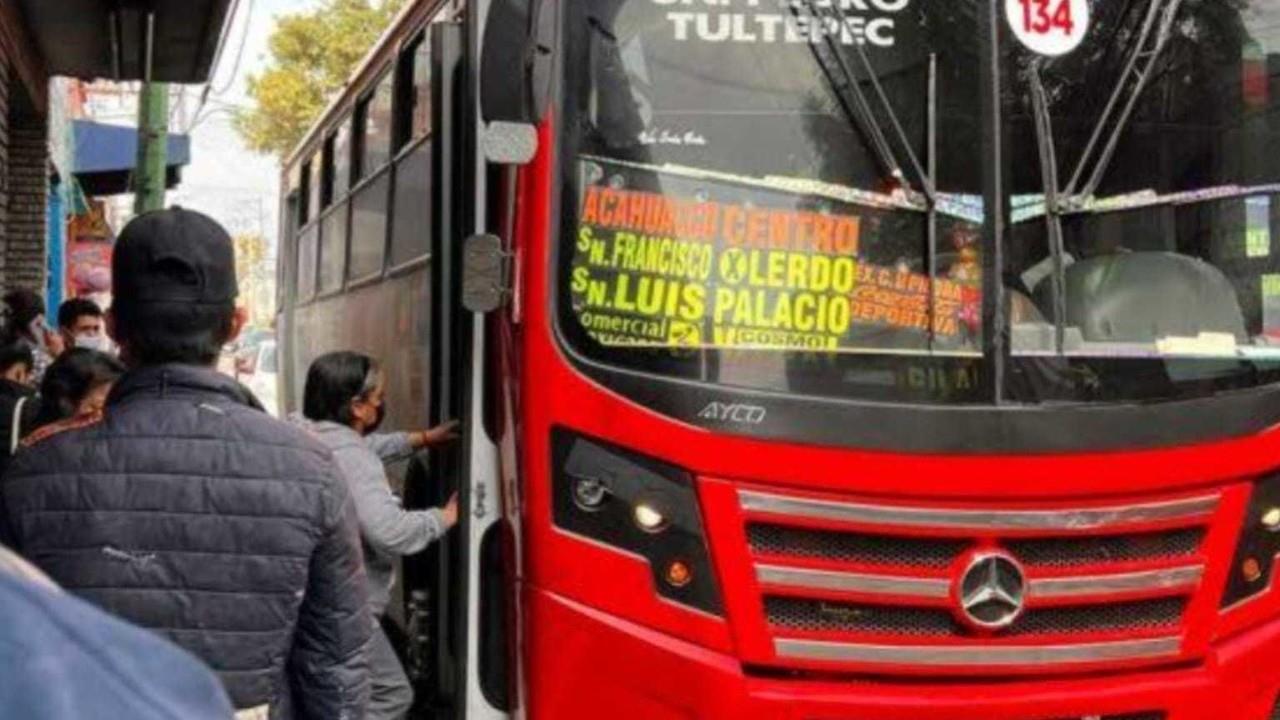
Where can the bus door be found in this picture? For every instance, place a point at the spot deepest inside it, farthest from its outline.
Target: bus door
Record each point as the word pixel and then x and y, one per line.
pixel 460 617
pixel 485 688
pixel 435 588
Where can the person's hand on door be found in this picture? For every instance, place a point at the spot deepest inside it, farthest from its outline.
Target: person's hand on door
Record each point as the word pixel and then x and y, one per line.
pixel 450 512
pixel 432 437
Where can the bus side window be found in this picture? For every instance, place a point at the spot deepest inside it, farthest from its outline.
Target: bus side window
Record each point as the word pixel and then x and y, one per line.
pixel 288 250
pixel 341 159
pixel 412 222
pixel 333 248
pixel 411 225
pixel 413 92
pixel 315 186
pixel 333 231
pixel 369 229
pixel 376 126
pixel 306 276
pixel 304 195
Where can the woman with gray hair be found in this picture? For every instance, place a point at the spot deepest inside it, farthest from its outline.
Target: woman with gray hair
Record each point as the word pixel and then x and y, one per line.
pixel 344 404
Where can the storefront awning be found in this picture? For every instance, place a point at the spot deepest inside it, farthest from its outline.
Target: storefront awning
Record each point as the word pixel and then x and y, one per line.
pixel 107 154
pixel 108 38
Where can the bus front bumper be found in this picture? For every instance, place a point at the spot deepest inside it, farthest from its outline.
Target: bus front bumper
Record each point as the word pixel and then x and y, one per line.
pixel 581 663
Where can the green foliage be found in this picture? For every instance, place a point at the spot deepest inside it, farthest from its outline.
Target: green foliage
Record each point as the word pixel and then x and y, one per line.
pixel 312 54
pixel 251 253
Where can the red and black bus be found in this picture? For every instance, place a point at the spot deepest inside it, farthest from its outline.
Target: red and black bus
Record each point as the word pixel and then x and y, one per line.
pixel 820 359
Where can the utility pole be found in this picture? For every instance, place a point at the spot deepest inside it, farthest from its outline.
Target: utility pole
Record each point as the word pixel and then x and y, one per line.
pixel 153 136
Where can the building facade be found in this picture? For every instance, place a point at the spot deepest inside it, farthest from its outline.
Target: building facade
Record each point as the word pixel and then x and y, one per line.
pixel 40 39
pixel 25 167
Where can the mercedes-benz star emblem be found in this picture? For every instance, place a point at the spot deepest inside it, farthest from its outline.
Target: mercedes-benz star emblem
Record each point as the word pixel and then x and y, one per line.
pixel 992 592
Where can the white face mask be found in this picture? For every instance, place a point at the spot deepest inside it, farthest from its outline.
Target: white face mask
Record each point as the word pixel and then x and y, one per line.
pixel 99 342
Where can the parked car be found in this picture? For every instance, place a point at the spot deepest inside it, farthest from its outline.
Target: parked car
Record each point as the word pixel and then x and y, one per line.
pixel 245 348
pixel 258 371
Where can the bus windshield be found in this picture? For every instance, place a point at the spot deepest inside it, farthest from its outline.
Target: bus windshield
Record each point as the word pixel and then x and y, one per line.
pixel 1151 273
pixel 747 194
pixel 785 195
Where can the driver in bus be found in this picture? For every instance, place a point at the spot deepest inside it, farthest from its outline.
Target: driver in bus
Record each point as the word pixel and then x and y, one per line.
pixel 344 405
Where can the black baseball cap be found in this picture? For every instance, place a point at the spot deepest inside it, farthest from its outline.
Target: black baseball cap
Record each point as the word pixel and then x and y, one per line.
pixel 174 256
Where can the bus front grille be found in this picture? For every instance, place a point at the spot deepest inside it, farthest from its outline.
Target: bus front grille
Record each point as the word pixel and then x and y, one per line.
pixel 855 547
pixel 770 539
pixel 809 615
pixel 876 587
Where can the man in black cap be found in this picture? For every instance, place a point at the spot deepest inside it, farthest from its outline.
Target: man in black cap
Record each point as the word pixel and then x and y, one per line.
pixel 187 509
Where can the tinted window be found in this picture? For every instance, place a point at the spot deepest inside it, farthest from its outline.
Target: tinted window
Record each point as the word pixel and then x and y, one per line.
pixel 327 193
pixel 359 171
pixel 318 199
pixel 333 250
pixel 417 109
pixel 378 121
pixel 411 231
pixel 288 250
pixel 306 277
pixel 305 206
pixel 342 160
pixel 369 229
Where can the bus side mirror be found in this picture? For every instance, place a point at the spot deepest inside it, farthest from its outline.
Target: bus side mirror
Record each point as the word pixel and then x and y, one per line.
pixel 508 143
pixel 484 273
pixel 516 63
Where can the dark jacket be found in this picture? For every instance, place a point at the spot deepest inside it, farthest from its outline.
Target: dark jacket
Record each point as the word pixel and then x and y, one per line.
pixel 67 660
pixel 189 511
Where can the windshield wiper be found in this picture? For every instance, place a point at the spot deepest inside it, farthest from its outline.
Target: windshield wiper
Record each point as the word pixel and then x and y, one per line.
pixel 856 104
pixel 1137 70
pixel 853 102
pixel 1052 207
pixel 1157 28
pixel 860 115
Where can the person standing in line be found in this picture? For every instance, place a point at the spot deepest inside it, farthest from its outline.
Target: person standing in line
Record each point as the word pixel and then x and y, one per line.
pixel 83 325
pixel 25 323
pixel 74 392
pixel 187 510
pixel 344 405
pixel 19 404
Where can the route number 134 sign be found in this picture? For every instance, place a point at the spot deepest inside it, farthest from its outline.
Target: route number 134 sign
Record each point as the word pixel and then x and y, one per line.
pixel 1048 27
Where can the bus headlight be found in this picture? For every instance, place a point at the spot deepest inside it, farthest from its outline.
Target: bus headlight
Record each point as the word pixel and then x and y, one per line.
pixel 649 516
pixel 639 505
pixel 1258 546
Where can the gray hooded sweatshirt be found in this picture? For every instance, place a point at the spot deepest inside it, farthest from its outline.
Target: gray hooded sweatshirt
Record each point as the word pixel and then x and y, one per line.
pixel 387 530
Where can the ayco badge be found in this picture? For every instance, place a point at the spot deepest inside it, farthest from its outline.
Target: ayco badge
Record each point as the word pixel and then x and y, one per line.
pixel 734 413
